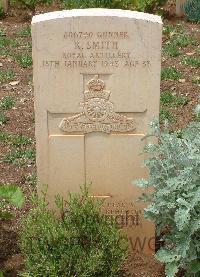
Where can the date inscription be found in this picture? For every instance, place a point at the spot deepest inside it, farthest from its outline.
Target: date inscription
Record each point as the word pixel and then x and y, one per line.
pixel 92 50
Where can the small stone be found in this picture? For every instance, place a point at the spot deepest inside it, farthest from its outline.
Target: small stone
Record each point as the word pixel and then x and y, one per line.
pixel 1 64
pixel 190 53
pixel 181 80
pixel 14 83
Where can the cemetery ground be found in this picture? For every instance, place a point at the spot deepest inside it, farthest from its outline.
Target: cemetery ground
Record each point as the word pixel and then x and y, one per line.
pixel 180 87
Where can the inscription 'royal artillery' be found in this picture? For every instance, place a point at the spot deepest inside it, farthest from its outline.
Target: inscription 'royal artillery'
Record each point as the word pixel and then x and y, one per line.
pixel 98 114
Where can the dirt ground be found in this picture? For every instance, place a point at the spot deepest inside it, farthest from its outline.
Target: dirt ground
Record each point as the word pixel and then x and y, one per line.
pixel 21 121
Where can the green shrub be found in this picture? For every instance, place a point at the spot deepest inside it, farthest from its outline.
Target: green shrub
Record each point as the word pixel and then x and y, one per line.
pixel 174 167
pixel 7 102
pixel 31 4
pixel 149 5
pixel 192 10
pixel 113 4
pixel 25 60
pixel 3 118
pixel 170 73
pixel 140 5
pixel 81 242
pixel 1 12
pixel 10 194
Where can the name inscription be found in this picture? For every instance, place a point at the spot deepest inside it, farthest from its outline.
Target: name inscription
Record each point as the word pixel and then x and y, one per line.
pixel 97 49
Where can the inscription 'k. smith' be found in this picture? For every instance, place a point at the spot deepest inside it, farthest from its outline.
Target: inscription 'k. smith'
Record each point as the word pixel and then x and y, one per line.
pixel 98 113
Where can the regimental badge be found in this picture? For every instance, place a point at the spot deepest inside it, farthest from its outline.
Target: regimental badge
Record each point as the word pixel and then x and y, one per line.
pixel 98 113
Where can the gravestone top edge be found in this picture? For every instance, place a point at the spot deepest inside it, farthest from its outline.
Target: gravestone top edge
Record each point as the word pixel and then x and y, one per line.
pixel 97 12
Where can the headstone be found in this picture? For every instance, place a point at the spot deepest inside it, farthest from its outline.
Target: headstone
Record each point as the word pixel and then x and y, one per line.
pixel 97 87
pixel 179 7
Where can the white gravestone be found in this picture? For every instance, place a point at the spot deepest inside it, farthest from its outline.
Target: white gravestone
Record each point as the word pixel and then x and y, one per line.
pixel 97 87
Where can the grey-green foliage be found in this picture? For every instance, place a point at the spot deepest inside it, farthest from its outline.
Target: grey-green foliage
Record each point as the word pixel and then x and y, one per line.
pixel 192 10
pixel 174 173
pixel 81 242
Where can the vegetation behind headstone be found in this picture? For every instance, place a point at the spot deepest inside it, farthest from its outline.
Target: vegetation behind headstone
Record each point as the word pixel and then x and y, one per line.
pixel 192 10
pixel 140 5
pixel 31 4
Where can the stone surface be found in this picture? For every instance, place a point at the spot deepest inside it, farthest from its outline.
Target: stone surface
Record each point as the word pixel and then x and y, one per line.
pixel 97 86
pixel 179 7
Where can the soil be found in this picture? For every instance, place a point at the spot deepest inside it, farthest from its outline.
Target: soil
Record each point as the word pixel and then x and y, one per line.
pixel 21 121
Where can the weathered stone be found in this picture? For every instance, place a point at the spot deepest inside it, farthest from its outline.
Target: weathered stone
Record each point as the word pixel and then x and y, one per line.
pixel 97 87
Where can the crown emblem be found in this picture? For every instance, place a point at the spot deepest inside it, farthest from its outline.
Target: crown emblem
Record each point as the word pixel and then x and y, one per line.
pixel 98 113
pixel 96 89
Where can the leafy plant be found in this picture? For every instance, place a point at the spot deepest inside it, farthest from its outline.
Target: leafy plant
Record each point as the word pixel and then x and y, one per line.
pixel 174 173
pixel 14 140
pixel 25 60
pixel 2 32
pixel 20 157
pixel 177 39
pixel 31 4
pixel 149 5
pixel 10 194
pixel 183 40
pixel 195 62
pixel 113 4
pixel 6 75
pixel 1 16
pixel 166 115
pixel 4 41
pixel 31 179
pixel 171 100
pixel 27 45
pixel 171 50
pixel 197 112
pixel 7 102
pixel 140 5
pixel 81 242
pixel 191 9
pixel 3 118
pixel 170 73
pixel 25 32
pixel 196 80
pixel 168 29
pixel 4 52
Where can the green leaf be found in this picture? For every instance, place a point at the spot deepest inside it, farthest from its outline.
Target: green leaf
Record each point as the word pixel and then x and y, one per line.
pixel 142 183
pixel 171 269
pixel 6 216
pixel 12 194
pixel 182 218
pixel 1 273
pixel 195 266
pixel 167 256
